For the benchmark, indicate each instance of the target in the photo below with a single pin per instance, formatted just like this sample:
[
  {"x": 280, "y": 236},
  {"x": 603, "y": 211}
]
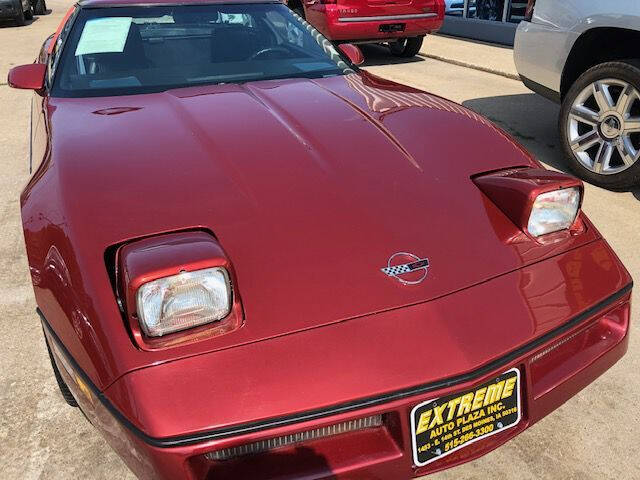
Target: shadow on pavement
[
  {"x": 530, "y": 119},
  {"x": 377, "y": 55},
  {"x": 9, "y": 22},
  {"x": 533, "y": 121}
]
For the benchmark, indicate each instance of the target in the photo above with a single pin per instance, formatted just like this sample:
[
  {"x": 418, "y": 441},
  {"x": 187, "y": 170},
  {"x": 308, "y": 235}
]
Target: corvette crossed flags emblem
[{"x": 399, "y": 270}]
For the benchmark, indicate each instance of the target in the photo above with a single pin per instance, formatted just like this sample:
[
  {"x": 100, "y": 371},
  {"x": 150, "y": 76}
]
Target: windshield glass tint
[{"x": 128, "y": 50}]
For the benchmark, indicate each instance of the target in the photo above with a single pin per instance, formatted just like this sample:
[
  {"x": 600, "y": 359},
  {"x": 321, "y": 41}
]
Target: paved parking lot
[{"x": 595, "y": 435}]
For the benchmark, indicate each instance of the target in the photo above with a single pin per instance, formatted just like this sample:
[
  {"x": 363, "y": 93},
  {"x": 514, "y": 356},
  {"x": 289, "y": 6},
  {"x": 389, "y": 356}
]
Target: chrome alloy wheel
[{"x": 604, "y": 126}]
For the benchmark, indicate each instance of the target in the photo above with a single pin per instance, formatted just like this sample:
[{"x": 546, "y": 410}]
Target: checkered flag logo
[{"x": 397, "y": 270}]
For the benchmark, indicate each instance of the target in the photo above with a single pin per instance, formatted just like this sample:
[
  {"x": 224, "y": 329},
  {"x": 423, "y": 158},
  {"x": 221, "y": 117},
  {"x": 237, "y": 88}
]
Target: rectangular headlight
[
  {"x": 183, "y": 301},
  {"x": 554, "y": 211}
]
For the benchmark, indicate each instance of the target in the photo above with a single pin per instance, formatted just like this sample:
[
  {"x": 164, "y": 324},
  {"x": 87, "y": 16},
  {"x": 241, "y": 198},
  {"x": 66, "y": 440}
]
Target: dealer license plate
[{"x": 440, "y": 427}]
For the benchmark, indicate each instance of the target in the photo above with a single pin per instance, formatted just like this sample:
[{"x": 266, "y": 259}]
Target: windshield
[{"x": 129, "y": 50}]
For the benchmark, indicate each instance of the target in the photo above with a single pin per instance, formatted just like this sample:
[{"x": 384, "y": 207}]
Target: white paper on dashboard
[{"x": 104, "y": 35}]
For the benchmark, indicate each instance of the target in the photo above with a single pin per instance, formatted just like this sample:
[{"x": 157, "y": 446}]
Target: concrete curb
[{"x": 470, "y": 65}]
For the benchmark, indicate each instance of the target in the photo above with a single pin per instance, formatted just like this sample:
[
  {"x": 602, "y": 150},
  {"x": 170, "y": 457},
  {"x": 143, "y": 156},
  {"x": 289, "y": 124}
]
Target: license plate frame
[
  {"x": 433, "y": 437},
  {"x": 392, "y": 27}
]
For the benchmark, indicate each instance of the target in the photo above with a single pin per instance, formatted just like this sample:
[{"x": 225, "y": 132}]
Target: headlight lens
[
  {"x": 182, "y": 301},
  {"x": 554, "y": 211}
]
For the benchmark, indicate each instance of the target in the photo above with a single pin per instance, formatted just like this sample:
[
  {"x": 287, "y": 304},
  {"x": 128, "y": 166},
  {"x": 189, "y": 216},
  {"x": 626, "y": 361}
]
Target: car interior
[{"x": 183, "y": 47}]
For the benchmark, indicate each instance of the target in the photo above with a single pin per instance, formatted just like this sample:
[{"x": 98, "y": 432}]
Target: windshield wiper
[{"x": 311, "y": 74}]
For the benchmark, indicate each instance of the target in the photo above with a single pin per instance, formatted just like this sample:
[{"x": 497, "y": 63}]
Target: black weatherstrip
[{"x": 251, "y": 427}]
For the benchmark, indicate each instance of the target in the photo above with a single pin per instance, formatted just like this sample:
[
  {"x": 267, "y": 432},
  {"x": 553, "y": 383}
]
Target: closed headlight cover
[{"x": 183, "y": 301}]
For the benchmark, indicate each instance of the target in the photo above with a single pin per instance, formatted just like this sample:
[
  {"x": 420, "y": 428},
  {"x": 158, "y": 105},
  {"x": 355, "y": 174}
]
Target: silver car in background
[
  {"x": 453, "y": 7},
  {"x": 585, "y": 54}
]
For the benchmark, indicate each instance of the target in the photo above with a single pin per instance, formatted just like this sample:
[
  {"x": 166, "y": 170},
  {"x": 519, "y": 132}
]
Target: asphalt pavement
[{"x": 593, "y": 436}]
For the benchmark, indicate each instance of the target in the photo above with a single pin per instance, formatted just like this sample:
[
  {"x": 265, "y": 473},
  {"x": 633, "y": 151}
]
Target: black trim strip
[
  {"x": 546, "y": 92},
  {"x": 336, "y": 409}
]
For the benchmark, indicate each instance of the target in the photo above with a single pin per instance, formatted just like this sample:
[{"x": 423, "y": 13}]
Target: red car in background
[
  {"x": 249, "y": 263},
  {"x": 401, "y": 24}
]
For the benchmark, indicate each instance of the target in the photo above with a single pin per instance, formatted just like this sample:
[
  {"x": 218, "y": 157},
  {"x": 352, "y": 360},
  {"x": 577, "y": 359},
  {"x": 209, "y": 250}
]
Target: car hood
[{"x": 310, "y": 186}]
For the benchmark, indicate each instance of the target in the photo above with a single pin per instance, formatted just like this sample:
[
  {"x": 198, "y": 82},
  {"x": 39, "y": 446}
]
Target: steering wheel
[{"x": 267, "y": 50}]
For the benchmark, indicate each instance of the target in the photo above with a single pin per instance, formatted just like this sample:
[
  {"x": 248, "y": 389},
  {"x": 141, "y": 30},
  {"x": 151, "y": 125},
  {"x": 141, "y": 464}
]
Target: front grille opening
[{"x": 295, "y": 438}]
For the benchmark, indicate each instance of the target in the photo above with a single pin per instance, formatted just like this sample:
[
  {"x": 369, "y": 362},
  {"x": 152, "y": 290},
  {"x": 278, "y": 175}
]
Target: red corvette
[{"x": 253, "y": 260}]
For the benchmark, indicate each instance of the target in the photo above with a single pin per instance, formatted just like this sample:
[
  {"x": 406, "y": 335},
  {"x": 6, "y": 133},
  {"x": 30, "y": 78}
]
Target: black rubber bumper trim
[
  {"x": 546, "y": 92},
  {"x": 177, "y": 441}
]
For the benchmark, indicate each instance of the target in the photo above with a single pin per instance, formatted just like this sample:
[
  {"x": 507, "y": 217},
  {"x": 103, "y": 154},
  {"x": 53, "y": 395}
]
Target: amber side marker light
[{"x": 295, "y": 438}]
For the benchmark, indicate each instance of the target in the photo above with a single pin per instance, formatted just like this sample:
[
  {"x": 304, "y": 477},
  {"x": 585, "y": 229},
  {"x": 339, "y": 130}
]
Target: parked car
[
  {"x": 583, "y": 54},
  {"x": 249, "y": 264},
  {"x": 400, "y": 25},
  {"x": 454, "y": 7},
  {"x": 18, "y": 10},
  {"x": 22, "y": 10}
]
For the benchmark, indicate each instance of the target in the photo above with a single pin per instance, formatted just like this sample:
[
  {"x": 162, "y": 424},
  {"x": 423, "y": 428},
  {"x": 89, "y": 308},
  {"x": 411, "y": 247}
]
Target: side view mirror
[
  {"x": 27, "y": 77},
  {"x": 352, "y": 52}
]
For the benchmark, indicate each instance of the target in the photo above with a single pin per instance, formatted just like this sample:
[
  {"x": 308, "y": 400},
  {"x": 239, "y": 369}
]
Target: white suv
[{"x": 586, "y": 55}]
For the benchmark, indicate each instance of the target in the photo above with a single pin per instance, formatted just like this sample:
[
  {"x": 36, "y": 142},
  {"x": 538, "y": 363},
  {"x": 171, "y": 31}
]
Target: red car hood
[{"x": 309, "y": 185}]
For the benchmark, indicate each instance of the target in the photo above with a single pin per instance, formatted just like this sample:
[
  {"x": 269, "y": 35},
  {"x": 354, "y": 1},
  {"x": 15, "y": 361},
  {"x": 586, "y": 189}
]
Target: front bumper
[{"x": 156, "y": 418}]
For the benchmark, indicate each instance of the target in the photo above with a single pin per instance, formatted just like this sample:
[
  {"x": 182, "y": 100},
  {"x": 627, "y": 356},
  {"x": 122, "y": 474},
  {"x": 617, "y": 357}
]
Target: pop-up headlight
[
  {"x": 182, "y": 301},
  {"x": 177, "y": 288},
  {"x": 554, "y": 211},
  {"x": 538, "y": 201}
]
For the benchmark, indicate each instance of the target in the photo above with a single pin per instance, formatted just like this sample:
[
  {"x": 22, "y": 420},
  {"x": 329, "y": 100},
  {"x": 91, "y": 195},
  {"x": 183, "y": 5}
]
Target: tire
[
  {"x": 40, "y": 7},
  {"x": 21, "y": 18},
  {"x": 406, "y": 47},
  {"x": 601, "y": 138},
  {"x": 64, "y": 390},
  {"x": 28, "y": 15}
]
